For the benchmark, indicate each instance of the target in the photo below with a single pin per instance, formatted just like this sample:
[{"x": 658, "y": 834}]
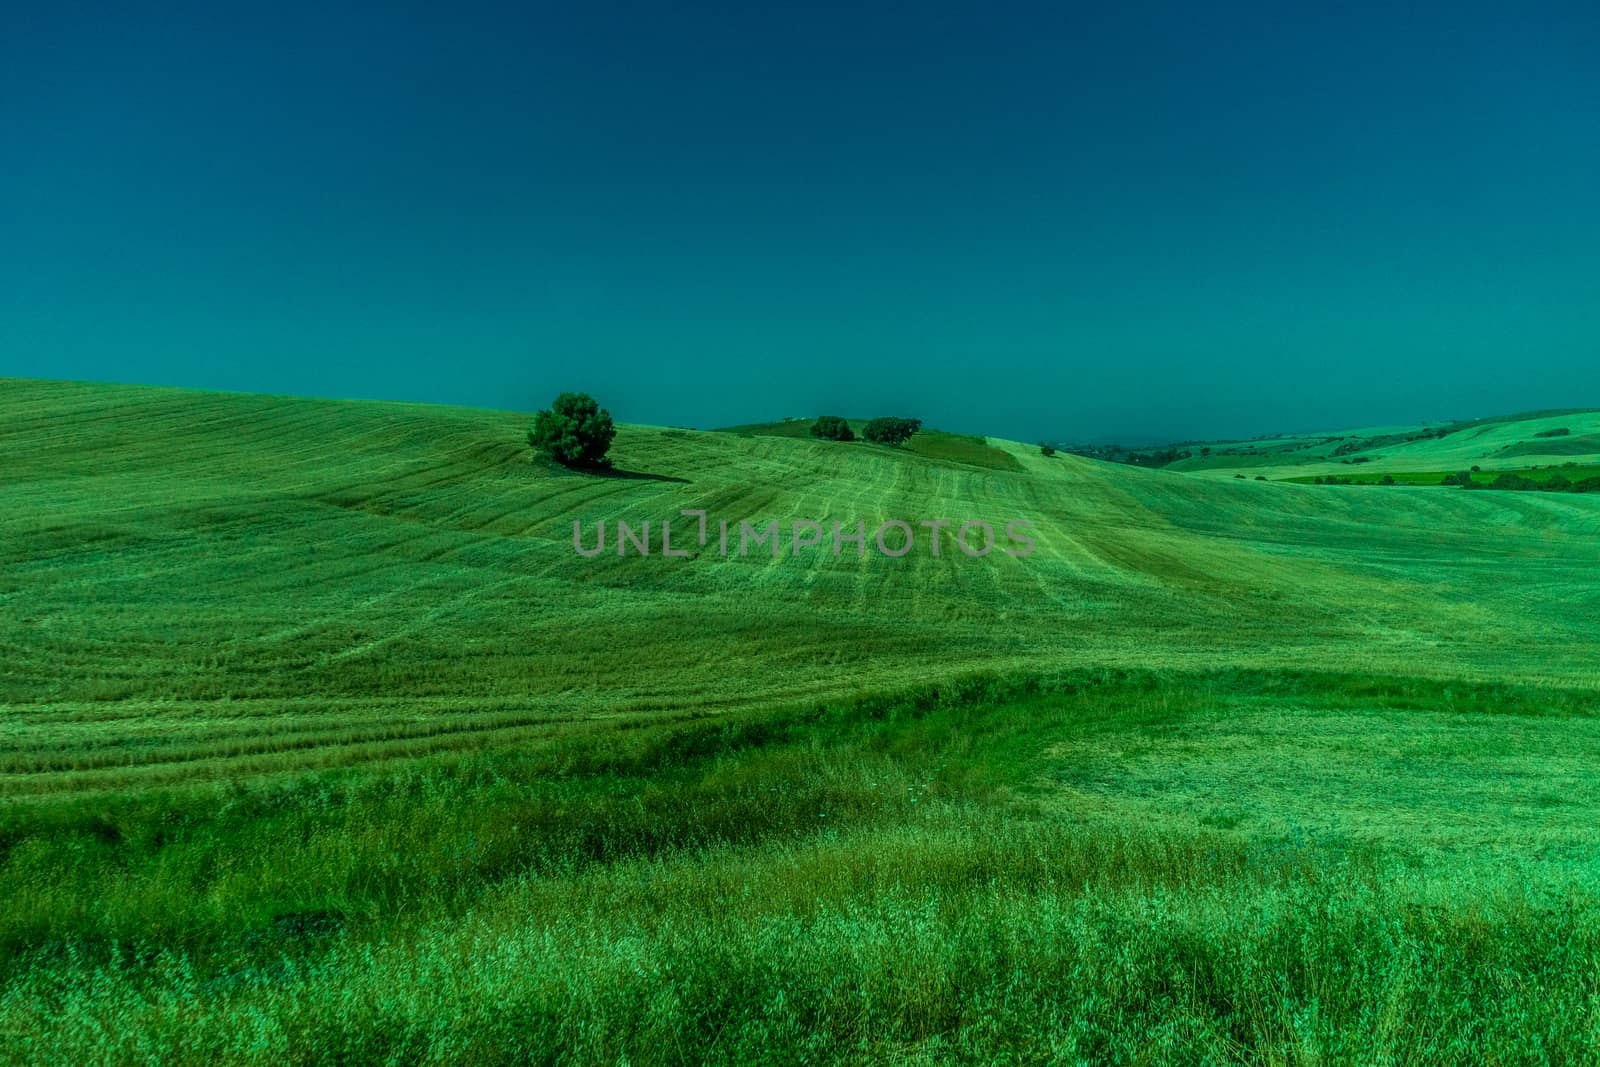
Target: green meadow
[
  {"x": 319, "y": 742},
  {"x": 1420, "y": 454}
]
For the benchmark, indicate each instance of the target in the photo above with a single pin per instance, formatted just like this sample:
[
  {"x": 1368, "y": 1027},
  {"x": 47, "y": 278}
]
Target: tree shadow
[
  {"x": 607, "y": 471},
  {"x": 617, "y": 472}
]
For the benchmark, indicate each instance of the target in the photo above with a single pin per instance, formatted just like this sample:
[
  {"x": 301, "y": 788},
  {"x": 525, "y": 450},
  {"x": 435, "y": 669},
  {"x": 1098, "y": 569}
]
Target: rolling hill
[
  {"x": 248, "y": 584},
  {"x": 1511, "y": 442},
  {"x": 320, "y": 742}
]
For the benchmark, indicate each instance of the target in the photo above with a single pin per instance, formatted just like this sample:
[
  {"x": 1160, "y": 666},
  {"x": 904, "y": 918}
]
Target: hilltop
[
  {"x": 970, "y": 449},
  {"x": 374, "y": 580}
]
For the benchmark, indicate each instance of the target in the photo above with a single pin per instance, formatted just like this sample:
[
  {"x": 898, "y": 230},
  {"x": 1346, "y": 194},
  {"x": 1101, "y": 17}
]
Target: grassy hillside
[
  {"x": 1096, "y": 868},
  {"x": 969, "y": 449},
  {"x": 1513, "y": 442},
  {"x": 319, "y": 741},
  {"x": 252, "y": 583}
]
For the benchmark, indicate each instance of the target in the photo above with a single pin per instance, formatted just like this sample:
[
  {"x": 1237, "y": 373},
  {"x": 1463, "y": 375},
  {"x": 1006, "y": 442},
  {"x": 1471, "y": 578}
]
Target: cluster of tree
[
  {"x": 890, "y": 430},
  {"x": 832, "y": 428},
  {"x": 574, "y": 431},
  {"x": 1508, "y": 481},
  {"x": 1517, "y": 483},
  {"x": 1334, "y": 479},
  {"x": 1159, "y": 457},
  {"x": 1560, "y": 431},
  {"x": 885, "y": 430},
  {"x": 1136, "y": 457}
]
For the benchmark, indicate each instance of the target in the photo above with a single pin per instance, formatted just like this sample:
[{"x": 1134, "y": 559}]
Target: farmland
[
  {"x": 1532, "y": 440},
  {"x": 1539, "y": 475},
  {"x": 318, "y": 739}
]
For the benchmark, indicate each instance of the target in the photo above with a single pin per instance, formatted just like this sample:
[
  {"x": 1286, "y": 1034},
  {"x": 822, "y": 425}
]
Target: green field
[
  {"x": 319, "y": 742},
  {"x": 969, "y": 449},
  {"x": 1582, "y": 445},
  {"x": 1360, "y": 475},
  {"x": 1508, "y": 443}
]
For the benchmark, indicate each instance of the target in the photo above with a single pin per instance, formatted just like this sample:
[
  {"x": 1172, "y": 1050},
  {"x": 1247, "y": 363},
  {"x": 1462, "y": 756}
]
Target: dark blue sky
[{"x": 1131, "y": 220}]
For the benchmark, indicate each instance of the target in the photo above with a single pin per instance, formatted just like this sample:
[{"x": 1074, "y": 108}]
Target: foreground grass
[{"x": 985, "y": 872}]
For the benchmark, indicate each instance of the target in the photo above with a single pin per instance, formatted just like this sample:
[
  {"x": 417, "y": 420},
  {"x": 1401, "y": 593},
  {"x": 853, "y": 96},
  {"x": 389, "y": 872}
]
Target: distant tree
[
  {"x": 1239, "y": 476},
  {"x": 1388, "y": 479},
  {"x": 1261, "y": 477},
  {"x": 1205, "y": 451},
  {"x": 1515, "y": 483},
  {"x": 832, "y": 428},
  {"x": 1046, "y": 450},
  {"x": 574, "y": 431},
  {"x": 1476, "y": 468},
  {"x": 889, "y": 430},
  {"x": 1560, "y": 431},
  {"x": 1155, "y": 457}
]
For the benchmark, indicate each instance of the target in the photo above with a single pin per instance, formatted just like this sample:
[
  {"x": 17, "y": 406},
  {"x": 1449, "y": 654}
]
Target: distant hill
[{"x": 1504, "y": 443}]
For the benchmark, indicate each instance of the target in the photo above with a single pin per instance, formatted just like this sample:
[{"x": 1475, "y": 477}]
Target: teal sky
[{"x": 1141, "y": 221}]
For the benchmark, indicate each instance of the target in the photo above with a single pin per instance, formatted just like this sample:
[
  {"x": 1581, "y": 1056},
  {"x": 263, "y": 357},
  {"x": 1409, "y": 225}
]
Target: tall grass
[{"x": 891, "y": 880}]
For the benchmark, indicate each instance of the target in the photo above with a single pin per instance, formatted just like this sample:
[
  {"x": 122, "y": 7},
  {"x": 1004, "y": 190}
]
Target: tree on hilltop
[
  {"x": 575, "y": 431},
  {"x": 832, "y": 428},
  {"x": 889, "y": 430}
]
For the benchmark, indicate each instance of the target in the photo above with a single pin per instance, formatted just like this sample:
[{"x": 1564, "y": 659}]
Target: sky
[{"x": 1130, "y": 221}]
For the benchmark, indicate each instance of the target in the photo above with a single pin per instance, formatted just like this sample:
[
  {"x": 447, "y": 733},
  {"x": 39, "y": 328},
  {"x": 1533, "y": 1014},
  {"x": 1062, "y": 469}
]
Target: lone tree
[
  {"x": 1046, "y": 450},
  {"x": 832, "y": 428},
  {"x": 574, "y": 431},
  {"x": 890, "y": 430}
]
